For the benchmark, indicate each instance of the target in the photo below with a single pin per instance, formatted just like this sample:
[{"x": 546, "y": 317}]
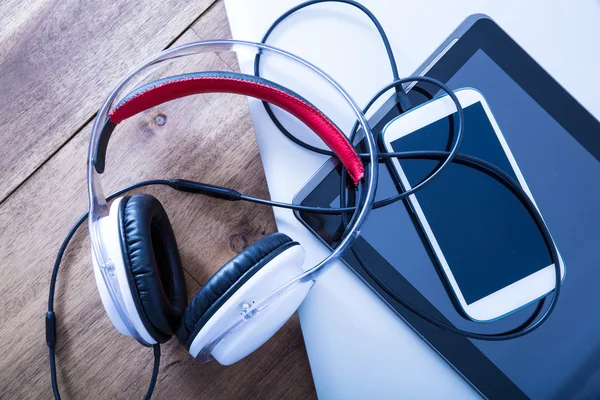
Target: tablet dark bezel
[{"x": 486, "y": 35}]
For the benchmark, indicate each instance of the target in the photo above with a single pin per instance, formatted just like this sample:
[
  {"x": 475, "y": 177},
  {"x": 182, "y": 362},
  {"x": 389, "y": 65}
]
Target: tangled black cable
[{"x": 446, "y": 158}]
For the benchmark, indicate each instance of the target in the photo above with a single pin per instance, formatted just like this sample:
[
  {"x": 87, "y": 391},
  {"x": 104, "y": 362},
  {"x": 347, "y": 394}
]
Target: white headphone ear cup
[
  {"x": 109, "y": 230},
  {"x": 105, "y": 224},
  {"x": 254, "y": 332}
]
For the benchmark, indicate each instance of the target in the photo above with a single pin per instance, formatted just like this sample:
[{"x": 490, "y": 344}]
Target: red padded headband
[{"x": 163, "y": 90}]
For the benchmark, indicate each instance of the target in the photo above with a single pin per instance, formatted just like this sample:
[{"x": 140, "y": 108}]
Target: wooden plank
[
  {"x": 218, "y": 27},
  {"x": 207, "y": 138},
  {"x": 59, "y": 58}
]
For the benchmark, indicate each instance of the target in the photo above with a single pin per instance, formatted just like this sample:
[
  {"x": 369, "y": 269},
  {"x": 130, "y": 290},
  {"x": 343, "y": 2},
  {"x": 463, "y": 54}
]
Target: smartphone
[{"x": 488, "y": 247}]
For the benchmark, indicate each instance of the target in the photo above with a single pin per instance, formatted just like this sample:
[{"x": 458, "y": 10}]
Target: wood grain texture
[
  {"x": 207, "y": 138},
  {"x": 58, "y": 59},
  {"x": 218, "y": 27}
]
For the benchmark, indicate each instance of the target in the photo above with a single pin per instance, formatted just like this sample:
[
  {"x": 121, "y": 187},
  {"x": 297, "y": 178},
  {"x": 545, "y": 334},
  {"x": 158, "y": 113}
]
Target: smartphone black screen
[{"x": 486, "y": 235}]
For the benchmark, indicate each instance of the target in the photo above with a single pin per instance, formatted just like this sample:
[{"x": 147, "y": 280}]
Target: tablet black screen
[{"x": 556, "y": 144}]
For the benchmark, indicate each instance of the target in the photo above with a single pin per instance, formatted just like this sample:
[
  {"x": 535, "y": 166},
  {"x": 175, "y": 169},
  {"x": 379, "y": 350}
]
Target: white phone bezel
[{"x": 510, "y": 298}]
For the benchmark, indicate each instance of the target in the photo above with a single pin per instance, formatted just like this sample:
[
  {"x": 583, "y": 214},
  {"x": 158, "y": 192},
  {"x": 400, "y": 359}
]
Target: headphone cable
[{"x": 445, "y": 158}]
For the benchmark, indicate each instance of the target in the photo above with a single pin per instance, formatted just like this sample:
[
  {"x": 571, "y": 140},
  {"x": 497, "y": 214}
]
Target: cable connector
[
  {"x": 51, "y": 329},
  {"x": 218, "y": 192}
]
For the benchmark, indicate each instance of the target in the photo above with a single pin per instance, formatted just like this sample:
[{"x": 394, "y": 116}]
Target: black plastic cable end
[
  {"x": 403, "y": 99},
  {"x": 51, "y": 329},
  {"x": 218, "y": 192}
]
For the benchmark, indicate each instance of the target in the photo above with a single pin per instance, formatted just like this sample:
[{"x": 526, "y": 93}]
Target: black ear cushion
[
  {"x": 152, "y": 264},
  {"x": 227, "y": 281}
]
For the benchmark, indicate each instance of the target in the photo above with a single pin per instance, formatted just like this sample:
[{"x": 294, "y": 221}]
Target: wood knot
[
  {"x": 160, "y": 119},
  {"x": 238, "y": 242}
]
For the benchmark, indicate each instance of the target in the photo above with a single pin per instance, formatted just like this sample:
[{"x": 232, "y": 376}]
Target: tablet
[{"x": 556, "y": 143}]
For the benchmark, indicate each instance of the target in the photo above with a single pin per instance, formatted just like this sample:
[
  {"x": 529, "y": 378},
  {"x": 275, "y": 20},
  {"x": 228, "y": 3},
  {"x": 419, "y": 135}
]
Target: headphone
[
  {"x": 135, "y": 257},
  {"x": 150, "y": 302}
]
